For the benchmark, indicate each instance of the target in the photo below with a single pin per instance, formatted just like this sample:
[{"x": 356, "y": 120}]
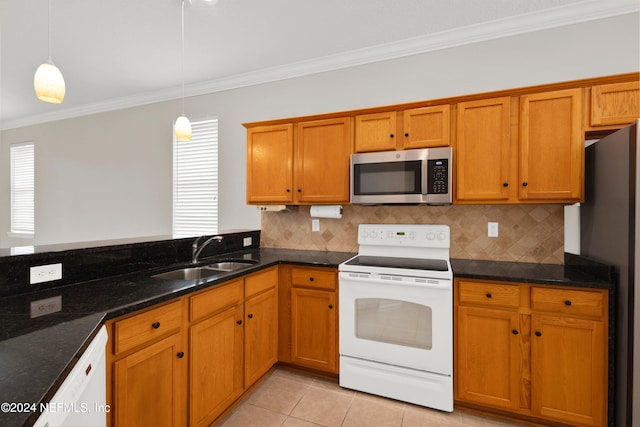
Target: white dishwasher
[{"x": 81, "y": 399}]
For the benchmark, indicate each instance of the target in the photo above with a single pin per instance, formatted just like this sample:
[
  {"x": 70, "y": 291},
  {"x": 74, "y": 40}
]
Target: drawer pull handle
[
  {"x": 567, "y": 302},
  {"x": 489, "y": 295},
  {"x": 514, "y": 332},
  {"x": 538, "y": 333},
  {"x": 180, "y": 355},
  {"x": 250, "y": 316},
  {"x": 331, "y": 306},
  {"x": 311, "y": 279},
  {"x": 239, "y": 322},
  {"x": 155, "y": 325}
]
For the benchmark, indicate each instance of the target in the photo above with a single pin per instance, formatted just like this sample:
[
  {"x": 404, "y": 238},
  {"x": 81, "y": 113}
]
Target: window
[
  {"x": 195, "y": 181},
  {"x": 22, "y": 189}
]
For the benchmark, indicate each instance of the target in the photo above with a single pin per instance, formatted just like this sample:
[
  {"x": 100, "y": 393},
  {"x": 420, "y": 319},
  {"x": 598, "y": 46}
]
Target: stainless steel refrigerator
[{"x": 608, "y": 234}]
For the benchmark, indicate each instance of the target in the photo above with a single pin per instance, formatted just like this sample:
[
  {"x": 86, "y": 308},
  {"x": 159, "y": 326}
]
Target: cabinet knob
[
  {"x": 180, "y": 354},
  {"x": 514, "y": 332},
  {"x": 311, "y": 279},
  {"x": 299, "y": 190},
  {"x": 391, "y": 136},
  {"x": 155, "y": 325},
  {"x": 567, "y": 302},
  {"x": 250, "y": 316},
  {"x": 538, "y": 333},
  {"x": 505, "y": 184},
  {"x": 525, "y": 183},
  {"x": 239, "y": 322},
  {"x": 489, "y": 295},
  {"x": 288, "y": 190},
  {"x": 331, "y": 306},
  {"x": 406, "y": 134}
]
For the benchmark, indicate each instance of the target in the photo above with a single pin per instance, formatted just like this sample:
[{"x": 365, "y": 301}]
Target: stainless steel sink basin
[{"x": 209, "y": 270}]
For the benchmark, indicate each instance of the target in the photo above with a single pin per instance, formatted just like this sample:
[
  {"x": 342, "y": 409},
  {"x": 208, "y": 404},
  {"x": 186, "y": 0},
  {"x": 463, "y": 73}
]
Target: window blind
[
  {"x": 22, "y": 188},
  {"x": 195, "y": 196}
]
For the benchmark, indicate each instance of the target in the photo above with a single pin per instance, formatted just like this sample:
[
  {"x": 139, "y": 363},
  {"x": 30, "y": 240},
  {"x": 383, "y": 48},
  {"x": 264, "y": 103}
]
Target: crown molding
[{"x": 502, "y": 28}]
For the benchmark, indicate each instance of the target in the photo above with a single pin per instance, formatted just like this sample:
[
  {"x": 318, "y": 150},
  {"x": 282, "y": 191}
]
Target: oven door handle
[{"x": 425, "y": 282}]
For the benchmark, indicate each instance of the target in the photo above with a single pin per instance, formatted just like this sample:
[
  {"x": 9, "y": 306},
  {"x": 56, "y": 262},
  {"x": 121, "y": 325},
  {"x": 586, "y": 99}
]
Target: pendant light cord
[
  {"x": 49, "y": 30},
  {"x": 182, "y": 58}
]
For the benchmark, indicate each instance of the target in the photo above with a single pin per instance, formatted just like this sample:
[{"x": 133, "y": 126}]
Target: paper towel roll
[{"x": 326, "y": 211}]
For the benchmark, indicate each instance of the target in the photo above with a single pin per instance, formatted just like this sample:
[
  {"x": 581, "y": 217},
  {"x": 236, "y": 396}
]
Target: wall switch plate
[
  {"x": 247, "y": 241},
  {"x": 46, "y": 306},
  {"x": 492, "y": 229},
  {"x": 45, "y": 273},
  {"x": 315, "y": 225}
]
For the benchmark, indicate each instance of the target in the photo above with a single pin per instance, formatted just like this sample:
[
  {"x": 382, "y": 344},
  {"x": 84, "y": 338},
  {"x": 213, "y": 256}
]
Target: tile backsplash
[{"x": 527, "y": 233}]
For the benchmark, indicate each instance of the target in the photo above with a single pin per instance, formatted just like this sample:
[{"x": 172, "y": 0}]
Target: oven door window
[
  {"x": 403, "y": 177},
  {"x": 394, "y": 322}
]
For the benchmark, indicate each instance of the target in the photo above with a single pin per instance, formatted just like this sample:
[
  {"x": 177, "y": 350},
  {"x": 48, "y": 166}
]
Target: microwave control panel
[{"x": 438, "y": 176}]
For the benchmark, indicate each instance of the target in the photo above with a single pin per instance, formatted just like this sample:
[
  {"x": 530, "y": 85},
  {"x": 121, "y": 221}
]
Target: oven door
[{"x": 397, "y": 320}]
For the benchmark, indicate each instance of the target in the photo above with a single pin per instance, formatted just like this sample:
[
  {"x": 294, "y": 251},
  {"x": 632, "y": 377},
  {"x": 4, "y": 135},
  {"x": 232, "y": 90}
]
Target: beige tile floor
[{"x": 291, "y": 399}]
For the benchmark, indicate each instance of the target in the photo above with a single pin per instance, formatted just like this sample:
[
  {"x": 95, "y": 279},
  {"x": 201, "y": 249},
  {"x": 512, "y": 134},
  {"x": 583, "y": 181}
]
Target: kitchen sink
[{"x": 202, "y": 272}]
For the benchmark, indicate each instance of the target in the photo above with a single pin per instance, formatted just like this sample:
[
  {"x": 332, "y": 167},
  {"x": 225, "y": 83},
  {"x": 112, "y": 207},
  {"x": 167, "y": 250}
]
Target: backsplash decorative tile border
[{"x": 527, "y": 233}]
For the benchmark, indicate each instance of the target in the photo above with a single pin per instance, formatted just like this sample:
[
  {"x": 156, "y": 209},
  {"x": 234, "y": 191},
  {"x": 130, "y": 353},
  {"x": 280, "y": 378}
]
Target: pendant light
[
  {"x": 48, "y": 81},
  {"x": 182, "y": 125}
]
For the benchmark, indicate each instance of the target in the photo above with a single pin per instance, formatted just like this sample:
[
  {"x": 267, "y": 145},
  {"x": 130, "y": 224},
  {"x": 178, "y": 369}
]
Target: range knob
[
  {"x": 373, "y": 235},
  {"x": 442, "y": 235},
  {"x": 364, "y": 234},
  {"x": 430, "y": 236}
]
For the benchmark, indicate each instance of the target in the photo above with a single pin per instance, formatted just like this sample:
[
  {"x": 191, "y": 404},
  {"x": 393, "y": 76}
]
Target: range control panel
[{"x": 415, "y": 235}]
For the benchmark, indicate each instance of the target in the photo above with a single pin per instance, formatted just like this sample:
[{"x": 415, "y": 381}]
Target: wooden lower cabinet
[
  {"x": 532, "y": 351},
  {"x": 261, "y": 334},
  {"x": 215, "y": 375},
  {"x": 150, "y": 386}
]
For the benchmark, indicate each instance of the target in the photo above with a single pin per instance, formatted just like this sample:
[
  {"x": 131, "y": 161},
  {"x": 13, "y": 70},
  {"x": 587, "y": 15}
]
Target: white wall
[{"x": 109, "y": 175}]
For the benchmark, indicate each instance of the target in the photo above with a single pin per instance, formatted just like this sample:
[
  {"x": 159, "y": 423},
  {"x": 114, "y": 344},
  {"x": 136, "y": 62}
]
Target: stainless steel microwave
[{"x": 421, "y": 176}]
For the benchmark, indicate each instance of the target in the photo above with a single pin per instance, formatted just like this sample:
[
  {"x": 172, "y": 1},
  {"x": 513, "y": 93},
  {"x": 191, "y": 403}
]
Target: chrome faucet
[{"x": 197, "y": 247}]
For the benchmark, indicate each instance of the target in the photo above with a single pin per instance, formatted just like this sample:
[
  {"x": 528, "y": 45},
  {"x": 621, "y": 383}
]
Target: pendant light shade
[
  {"x": 183, "y": 129},
  {"x": 49, "y": 83}
]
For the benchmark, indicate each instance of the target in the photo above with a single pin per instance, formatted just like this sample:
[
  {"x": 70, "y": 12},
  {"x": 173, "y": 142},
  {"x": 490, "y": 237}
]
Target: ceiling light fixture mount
[
  {"x": 182, "y": 125},
  {"x": 48, "y": 81}
]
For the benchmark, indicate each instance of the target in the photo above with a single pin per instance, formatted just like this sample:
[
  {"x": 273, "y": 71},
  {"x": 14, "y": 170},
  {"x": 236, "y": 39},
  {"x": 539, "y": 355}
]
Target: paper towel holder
[{"x": 326, "y": 211}]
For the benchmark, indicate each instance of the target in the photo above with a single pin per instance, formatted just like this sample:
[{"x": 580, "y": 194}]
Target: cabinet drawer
[
  {"x": 581, "y": 303},
  {"x": 490, "y": 294},
  {"x": 259, "y": 282},
  {"x": 313, "y": 278},
  {"x": 147, "y": 326},
  {"x": 214, "y": 300}
]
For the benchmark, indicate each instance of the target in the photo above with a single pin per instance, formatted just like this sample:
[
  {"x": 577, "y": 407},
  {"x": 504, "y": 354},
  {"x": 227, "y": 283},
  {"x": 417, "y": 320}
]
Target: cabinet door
[
  {"x": 488, "y": 359},
  {"x": 313, "y": 329},
  {"x": 270, "y": 164},
  {"x": 323, "y": 150},
  {"x": 216, "y": 365},
  {"x": 615, "y": 104},
  {"x": 150, "y": 386},
  {"x": 551, "y": 146},
  {"x": 484, "y": 150},
  {"x": 261, "y": 335},
  {"x": 375, "y": 132},
  {"x": 569, "y": 373},
  {"x": 426, "y": 127}
]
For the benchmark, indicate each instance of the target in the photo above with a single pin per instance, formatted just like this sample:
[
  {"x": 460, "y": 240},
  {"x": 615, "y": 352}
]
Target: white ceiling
[{"x": 117, "y": 53}]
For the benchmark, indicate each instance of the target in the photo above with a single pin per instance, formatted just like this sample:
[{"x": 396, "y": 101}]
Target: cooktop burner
[{"x": 391, "y": 262}]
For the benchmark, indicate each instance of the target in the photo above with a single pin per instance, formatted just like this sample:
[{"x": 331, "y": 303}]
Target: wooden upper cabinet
[
  {"x": 483, "y": 150},
  {"x": 615, "y": 104},
  {"x": 323, "y": 150},
  {"x": 376, "y": 132},
  {"x": 270, "y": 164},
  {"x": 426, "y": 127},
  {"x": 417, "y": 128},
  {"x": 551, "y": 146}
]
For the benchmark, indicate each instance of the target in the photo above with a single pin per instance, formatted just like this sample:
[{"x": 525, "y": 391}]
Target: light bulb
[
  {"x": 183, "y": 129},
  {"x": 49, "y": 83}
]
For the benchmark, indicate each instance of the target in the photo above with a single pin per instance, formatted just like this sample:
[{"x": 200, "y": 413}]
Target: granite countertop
[{"x": 37, "y": 354}]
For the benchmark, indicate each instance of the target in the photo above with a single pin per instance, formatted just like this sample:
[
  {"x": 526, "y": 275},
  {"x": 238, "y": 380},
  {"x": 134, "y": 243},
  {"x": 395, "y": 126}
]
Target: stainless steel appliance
[
  {"x": 421, "y": 176},
  {"x": 396, "y": 315},
  {"x": 609, "y": 233}
]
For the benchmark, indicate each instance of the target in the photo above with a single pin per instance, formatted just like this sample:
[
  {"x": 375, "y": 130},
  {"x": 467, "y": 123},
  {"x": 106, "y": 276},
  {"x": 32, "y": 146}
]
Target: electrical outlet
[
  {"x": 247, "y": 241},
  {"x": 492, "y": 229},
  {"x": 46, "y": 306},
  {"x": 315, "y": 225},
  {"x": 45, "y": 273}
]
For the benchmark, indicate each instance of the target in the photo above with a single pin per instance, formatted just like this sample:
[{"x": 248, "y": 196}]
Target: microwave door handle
[{"x": 425, "y": 178}]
